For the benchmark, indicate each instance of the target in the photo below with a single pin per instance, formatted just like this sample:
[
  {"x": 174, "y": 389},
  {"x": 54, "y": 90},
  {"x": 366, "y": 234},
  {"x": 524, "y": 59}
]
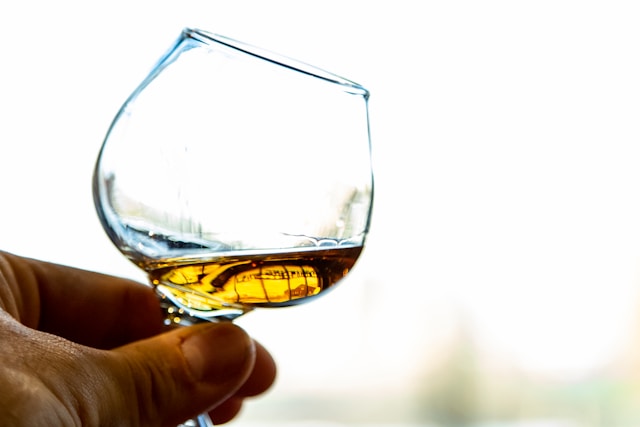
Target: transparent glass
[
  {"x": 227, "y": 154},
  {"x": 237, "y": 178}
]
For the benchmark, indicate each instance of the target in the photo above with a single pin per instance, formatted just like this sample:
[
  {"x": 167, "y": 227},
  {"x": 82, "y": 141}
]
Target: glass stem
[{"x": 202, "y": 420}]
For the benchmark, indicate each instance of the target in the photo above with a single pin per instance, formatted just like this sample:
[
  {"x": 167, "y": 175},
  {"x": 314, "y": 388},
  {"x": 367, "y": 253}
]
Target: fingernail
[{"x": 218, "y": 352}]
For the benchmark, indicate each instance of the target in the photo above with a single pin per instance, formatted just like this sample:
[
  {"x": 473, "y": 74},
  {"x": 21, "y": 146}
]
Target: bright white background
[{"x": 506, "y": 235}]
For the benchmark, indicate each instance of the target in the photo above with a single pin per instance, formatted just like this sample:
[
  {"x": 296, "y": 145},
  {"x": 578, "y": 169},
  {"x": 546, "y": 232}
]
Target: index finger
[{"x": 89, "y": 308}]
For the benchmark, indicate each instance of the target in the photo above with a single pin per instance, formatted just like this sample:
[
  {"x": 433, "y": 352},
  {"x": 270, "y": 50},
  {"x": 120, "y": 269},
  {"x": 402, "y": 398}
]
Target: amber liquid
[{"x": 257, "y": 280}]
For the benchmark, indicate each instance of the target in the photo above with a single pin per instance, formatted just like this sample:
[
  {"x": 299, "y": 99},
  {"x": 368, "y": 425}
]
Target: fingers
[
  {"x": 226, "y": 411},
  {"x": 187, "y": 371},
  {"x": 261, "y": 378},
  {"x": 89, "y": 308},
  {"x": 160, "y": 380}
]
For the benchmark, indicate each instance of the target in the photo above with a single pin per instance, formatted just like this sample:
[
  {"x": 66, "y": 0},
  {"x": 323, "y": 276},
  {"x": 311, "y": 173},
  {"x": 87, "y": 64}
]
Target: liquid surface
[{"x": 258, "y": 280}]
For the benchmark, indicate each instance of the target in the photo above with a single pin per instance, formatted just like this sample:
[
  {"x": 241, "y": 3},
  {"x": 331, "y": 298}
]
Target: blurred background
[{"x": 500, "y": 284}]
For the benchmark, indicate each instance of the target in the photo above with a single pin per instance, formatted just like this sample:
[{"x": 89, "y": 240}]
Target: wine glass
[{"x": 236, "y": 178}]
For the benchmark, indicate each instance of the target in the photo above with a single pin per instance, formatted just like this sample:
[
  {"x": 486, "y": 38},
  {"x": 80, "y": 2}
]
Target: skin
[{"x": 76, "y": 351}]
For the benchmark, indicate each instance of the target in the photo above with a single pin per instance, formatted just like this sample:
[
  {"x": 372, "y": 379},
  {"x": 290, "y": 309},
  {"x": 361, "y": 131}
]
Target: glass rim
[{"x": 207, "y": 38}]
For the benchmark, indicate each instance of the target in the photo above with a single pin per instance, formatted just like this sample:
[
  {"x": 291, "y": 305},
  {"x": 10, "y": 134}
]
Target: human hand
[{"x": 85, "y": 349}]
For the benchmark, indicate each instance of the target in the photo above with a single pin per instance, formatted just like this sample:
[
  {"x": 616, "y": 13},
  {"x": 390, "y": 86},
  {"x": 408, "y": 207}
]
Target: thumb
[{"x": 179, "y": 374}]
